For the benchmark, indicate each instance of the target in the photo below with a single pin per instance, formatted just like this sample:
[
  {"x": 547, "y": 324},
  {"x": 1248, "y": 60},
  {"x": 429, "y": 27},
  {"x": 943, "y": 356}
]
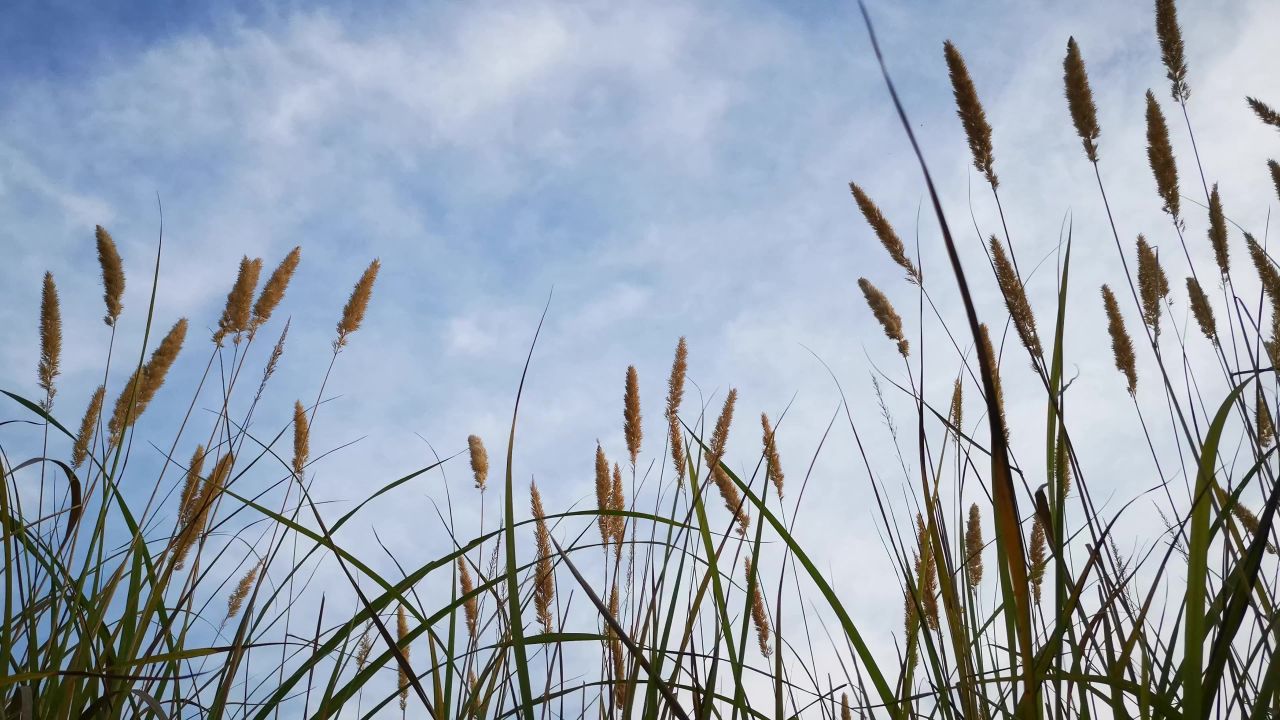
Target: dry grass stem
[
  {"x": 353, "y": 312},
  {"x": 1084, "y": 114},
  {"x": 976, "y": 128},
  {"x": 884, "y": 231},
  {"x": 774, "y": 469},
  {"x": 402, "y": 631},
  {"x": 885, "y": 315},
  {"x": 631, "y": 423},
  {"x": 112, "y": 275}
]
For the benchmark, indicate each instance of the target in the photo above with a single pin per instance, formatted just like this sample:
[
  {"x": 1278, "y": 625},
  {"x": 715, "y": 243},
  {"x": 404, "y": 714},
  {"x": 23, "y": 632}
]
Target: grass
[{"x": 691, "y": 598}]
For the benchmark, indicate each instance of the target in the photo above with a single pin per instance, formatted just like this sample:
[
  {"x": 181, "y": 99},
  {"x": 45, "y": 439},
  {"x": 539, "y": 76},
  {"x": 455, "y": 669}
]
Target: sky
[{"x": 645, "y": 171}]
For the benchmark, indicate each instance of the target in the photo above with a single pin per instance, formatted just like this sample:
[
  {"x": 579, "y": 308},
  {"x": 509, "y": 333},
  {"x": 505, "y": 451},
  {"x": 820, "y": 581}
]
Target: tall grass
[{"x": 128, "y": 594}]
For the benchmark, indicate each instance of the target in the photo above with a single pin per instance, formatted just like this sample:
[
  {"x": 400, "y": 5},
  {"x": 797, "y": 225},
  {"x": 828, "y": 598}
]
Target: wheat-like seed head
[
  {"x": 884, "y": 231},
  {"x": 50, "y": 340},
  {"x": 88, "y": 425},
  {"x": 1084, "y": 114},
  {"x": 479, "y": 460},
  {"x": 1264, "y": 112},
  {"x": 1063, "y": 457},
  {"x": 956, "y": 414},
  {"x": 976, "y": 128},
  {"x": 274, "y": 359},
  {"x": 1015, "y": 299},
  {"x": 885, "y": 315},
  {"x": 1121, "y": 345},
  {"x": 357, "y": 304},
  {"x": 774, "y": 469},
  {"x": 1218, "y": 232},
  {"x": 675, "y": 393},
  {"x": 1267, "y": 273},
  {"x": 237, "y": 313},
  {"x": 362, "y": 650},
  {"x": 146, "y": 381},
  {"x": 201, "y": 506},
  {"x": 1153, "y": 286},
  {"x": 301, "y": 439},
  {"x": 615, "y": 653},
  {"x": 1171, "y": 48},
  {"x": 187, "y": 509},
  {"x": 1274, "y": 167},
  {"x": 911, "y": 626},
  {"x": 845, "y": 713},
  {"x": 1262, "y": 419},
  {"x": 236, "y": 600},
  {"x": 1160, "y": 155},
  {"x": 973, "y": 545},
  {"x": 1039, "y": 544},
  {"x": 632, "y": 428},
  {"x": 273, "y": 291},
  {"x": 719, "y": 439},
  {"x": 402, "y": 630},
  {"x": 617, "y": 503},
  {"x": 470, "y": 606},
  {"x": 604, "y": 496},
  {"x": 112, "y": 275},
  {"x": 926, "y": 573},
  {"x": 1202, "y": 310},
  {"x": 544, "y": 586},
  {"x": 758, "y": 615},
  {"x": 985, "y": 347}
]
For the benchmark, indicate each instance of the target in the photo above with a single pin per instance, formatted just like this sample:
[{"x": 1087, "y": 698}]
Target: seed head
[
  {"x": 1171, "y": 48},
  {"x": 236, "y": 600},
  {"x": 544, "y": 587},
  {"x": 774, "y": 469},
  {"x": 1063, "y": 457},
  {"x": 402, "y": 630},
  {"x": 1160, "y": 155},
  {"x": 273, "y": 291},
  {"x": 1153, "y": 286},
  {"x": 1015, "y": 299},
  {"x": 956, "y": 415},
  {"x": 884, "y": 231},
  {"x": 1121, "y": 346},
  {"x": 972, "y": 116},
  {"x": 758, "y": 615},
  {"x": 1038, "y": 557},
  {"x": 237, "y": 314},
  {"x": 604, "y": 496},
  {"x": 362, "y": 650},
  {"x": 353, "y": 311},
  {"x": 1202, "y": 310},
  {"x": 926, "y": 573},
  {"x": 615, "y": 654},
  {"x": 1267, "y": 272},
  {"x": 1218, "y": 232},
  {"x": 1084, "y": 114},
  {"x": 470, "y": 606},
  {"x": 191, "y": 489},
  {"x": 617, "y": 503},
  {"x": 1264, "y": 112},
  {"x": 479, "y": 460},
  {"x": 675, "y": 393},
  {"x": 1274, "y": 167},
  {"x": 50, "y": 339},
  {"x": 719, "y": 439},
  {"x": 201, "y": 506},
  {"x": 146, "y": 381},
  {"x": 112, "y": 275},
  {"x": 80, "y": 451},
  {"x": 973, "y": 545},
  {"x": 885, "y": 314},
  {"x": 631, "y": 425},
  {"x": 985, "y": 346},
  {"x": 1266, "y": 428},
  {"x": 301, "y": 439}
]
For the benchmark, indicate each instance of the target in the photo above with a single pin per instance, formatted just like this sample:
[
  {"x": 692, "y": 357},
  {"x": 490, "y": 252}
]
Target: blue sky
[{"x": 669, "y": 169}]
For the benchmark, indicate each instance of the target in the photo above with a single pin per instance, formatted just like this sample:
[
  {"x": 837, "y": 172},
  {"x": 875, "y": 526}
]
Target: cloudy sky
[{"x": 658, "y": 168}]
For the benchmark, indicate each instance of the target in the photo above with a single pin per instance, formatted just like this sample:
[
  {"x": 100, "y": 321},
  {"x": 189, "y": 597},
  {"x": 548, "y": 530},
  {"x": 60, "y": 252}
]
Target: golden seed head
[
  {"x": 1015, "y": 299},
  {"x": 353, "y": 311},
  {"x": 972, "y": 116},
  {"x": 1267, "y": 272},
  {"x": 728, "y": 489},
  {"x": 845, "y": 713},
  {"x": 470, "y": 606},
  {"x": 479, "y": 460},
  {"x": 1084, "y": 114},
  {"x": 884, "y": 231},
  {"x": 758, "y": 615},
  {"x": 956, "y": 415},
  {"x": 273, "y": 291},
  {"x": 985, "y": 346},
  {"x": 615, "y": 653},
  {"x": 236, "y": 600},
  {"x": 1202, "y": 310},
  {"x": 1063, "y": 458},
  {"x": 80, "y": 451},
  {"x": 618, "y": 503},
  {"x": 50, "y": 339},
  {"x": 1264, "y": 112},
  {"x": 774, "y": 469},
  {"x": 301, "y": 439},
  {"x": 911, "y": 627},
  {"x": 238, "y": 311},
  {"x": 1121, "y": 346},
  {"x": 604, "y": 496},
  {"x": 885, "y": 314},
  {"x": 544, "y": 586},
  {"x": 926, "y": 573},
  {"x": 112, "y": 275},
  {"x": 1262, "y": 416},
  {"x": 146, "y": 381},
  {"x": 1171, "y": 48},
  {"x": 1153, "y": 286},
  {"x": 362, "y": 650},
  {"x": 973, "y": 545},
  {"x": 631, "y": 425},
  {"x": 276, "y": 352},
  {"x": 201, "y": 506},
  {"x": 1218, "y": 231},
  {"x": 402, "y": 630},
  {"x": 1274, "y": 167},
  {"x": 191, "y": 488},
  {"x": 1160, "y": 155},
  {"x": 1038, "y": 557},
  {"x": 675, "y": 393}
]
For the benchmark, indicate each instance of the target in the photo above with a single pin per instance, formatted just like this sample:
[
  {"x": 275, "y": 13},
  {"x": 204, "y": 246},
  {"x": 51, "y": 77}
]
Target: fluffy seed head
[
  {"x": 631, "y": 425},
  {"x": 1121, "y": 346},
  {"x": 618, "y": 503},
  {"x": 774, "y": 470},
  {"x": 146, "y": 381},
  {"x": 50, "y": 339},
  {"x": 362, "y": 650},
  {"x": 973, "y": 545},
  {"x": 885, "y": 315},
  {"x": 236, "y": 600},
  {"x": 926, "y": 573},
  {"x": 1063, "y": 458},
  {"x": 470, "y": 606},
  {"x": 1084, "y": 114},
  {"x": 353, "y": 311},
  {"x": 237, "y": 313},
  {"x": 112, "y": 275},
  {"x": 972, "y": 116},
  {"x": 402, "y": 630},
  {"x": 201, "y": 507},
  {"x": 884, "y": 231},
  {"x": 479, "y": 460},
  {"x": 1202, "y": 310},
  {"x": 845, "y": 713},
  {"x": 1038, "y": 557},
  {"x": 1262, "y": 417},
  {"x": 1160, "y": 155},
  {"x": 1015, "y": 299},
  {"x": 728, "y": 489},
  {"x": 759, "y": 617},
  {"x": 1218, "y": 232},
  {"x": 675, "y": 393},
  {"x": 273, "y": 291},
  {"x": 1153, "y": 286},
  {"x": 191, "y": 488},
  {"x": 80, "y": 451},
  {"x": 1274, "y": 167},
  {"x": 1267, "y": 273},
  {"x": 1171, "y": 48},
  {"x": 604, "y": 496},
  {"x": 956, "y": 415},
  {"x": 544, "y": 586},
  {"x": 1264, "y": 112},
  {"x": 985, "y": 346},
  {"x": 615, "y": 654},
  {"x": 301, "y": 439}
]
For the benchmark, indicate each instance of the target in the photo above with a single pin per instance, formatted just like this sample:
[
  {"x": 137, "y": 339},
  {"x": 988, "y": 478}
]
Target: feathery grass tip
[
  {"x": 885, "y": 315},
  {"x": 273, "y": 290},
  {"x": 976, "y": 128},
  {"x": 1153, "y": 286},
  {"x": 544, "y": 584},
  {"x": 50, "y": 340},
  {"x": 1218, "y": 232},
  {"x": 112, "y": 275},
  {"x": 1015, "y": 299},
  {"x": 237, "y": 313},
  {"x": 146, "y": 381},
  {"x": 1172, "y": 52},
  {"x": 1202, "y": 310},
  {"x": 1121, "y": 345},
  {"x": 759, "y": 617},
  {"x": 479, "y": 460},
  {"x": 884, "y": 231},
  {"x": 88, "y": 425},
  {"x": 973, "y": 545},
  {"x": 774, "y": 469},
  {"x": 1264, "y": 112},
  {"x": 1160, "y": 155},
  {"x": 675, "y": 393},
  {"x": 631, "y": 425},
  {"x": 357, "y": 304},
  {"x": 1084, "y": 114},
  {"x": 301, "y": 439}
]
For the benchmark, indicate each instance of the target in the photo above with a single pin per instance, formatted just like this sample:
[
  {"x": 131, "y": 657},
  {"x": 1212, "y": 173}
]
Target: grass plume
[
  {"x": 885, "y": 232},
  {"x": 1084, "y": 113},
  {"x": 112, "y": 275}
]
